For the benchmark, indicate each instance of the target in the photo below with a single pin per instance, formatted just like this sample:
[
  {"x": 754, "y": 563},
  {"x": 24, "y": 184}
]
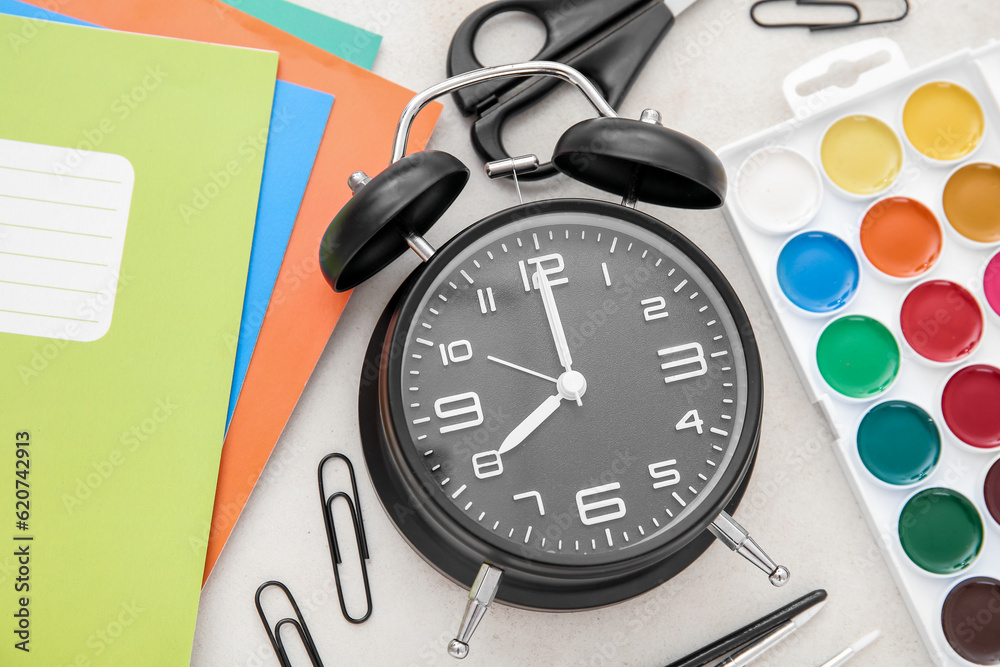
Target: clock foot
[
  {"x": 735, "y": 536},
  {"x": 481, "y": 595}
]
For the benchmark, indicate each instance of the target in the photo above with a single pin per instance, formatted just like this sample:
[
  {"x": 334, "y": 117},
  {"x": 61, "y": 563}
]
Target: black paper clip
[
  {"x": 359, "y": 534},
  {"x": 826, "y": 26},
  {"x": 298, "y": 623}
]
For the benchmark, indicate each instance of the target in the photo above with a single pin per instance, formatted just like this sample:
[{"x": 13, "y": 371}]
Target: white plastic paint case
[{"x": 881, "y": 92}]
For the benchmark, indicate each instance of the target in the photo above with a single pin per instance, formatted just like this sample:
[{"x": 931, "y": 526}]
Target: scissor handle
[
  {"x": 487, "y": 130},
  {"x": 608, "y": 41},
  {"x": 562, "y": 28}
]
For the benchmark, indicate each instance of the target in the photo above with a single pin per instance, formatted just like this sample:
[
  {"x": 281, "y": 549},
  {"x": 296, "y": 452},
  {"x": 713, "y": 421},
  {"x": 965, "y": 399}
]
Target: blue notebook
[{"x": 298, "y": 120}]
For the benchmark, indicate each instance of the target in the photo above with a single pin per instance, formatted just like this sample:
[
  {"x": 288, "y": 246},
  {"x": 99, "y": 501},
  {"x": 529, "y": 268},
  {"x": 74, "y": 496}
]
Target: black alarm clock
[{"x": 569, "y": 394}]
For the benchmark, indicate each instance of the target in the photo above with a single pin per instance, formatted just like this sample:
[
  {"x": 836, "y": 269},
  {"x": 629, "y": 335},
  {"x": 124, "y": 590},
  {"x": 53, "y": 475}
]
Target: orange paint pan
[{"x": 901, "y": 237}]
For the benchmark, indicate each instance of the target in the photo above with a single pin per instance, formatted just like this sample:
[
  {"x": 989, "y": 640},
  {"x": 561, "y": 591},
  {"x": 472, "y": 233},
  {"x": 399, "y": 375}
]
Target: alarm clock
[{"x": 568, "y": 399}]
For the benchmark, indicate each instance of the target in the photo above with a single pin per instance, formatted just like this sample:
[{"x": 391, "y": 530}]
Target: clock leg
[
  {"x": 736, "y": 537},
  {"x": 481, "y": 595}
]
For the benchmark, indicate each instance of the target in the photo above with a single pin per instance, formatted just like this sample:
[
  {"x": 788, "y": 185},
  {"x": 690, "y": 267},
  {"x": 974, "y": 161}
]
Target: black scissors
[{"x": 609, "y": 41}]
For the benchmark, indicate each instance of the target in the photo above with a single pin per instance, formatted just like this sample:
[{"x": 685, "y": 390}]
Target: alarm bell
[{"x": 635, "y": 159}]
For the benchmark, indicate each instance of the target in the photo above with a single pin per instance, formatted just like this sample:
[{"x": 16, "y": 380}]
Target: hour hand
[
  {"x": 530, "y": 423},
  {"x": 571, "y": 385},
  {"x": 489, "y": 464}
]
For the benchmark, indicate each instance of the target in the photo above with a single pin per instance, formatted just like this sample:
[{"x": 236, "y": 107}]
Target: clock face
[{"x": 573, "y": 388}]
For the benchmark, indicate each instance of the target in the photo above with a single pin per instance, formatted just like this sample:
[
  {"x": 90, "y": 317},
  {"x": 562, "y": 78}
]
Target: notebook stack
[{"x": 166, "y": 173}]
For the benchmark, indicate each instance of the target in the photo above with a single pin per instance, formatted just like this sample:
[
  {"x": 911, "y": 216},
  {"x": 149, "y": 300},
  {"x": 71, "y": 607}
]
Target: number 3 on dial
[{"x": 683, "y": 357}]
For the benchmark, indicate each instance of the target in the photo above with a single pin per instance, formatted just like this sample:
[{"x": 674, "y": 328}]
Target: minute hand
[{"x": 555, "y": 324}]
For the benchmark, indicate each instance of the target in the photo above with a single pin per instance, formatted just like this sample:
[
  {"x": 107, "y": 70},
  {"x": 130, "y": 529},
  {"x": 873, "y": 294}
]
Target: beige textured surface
[{"x": 717, "y": 77}]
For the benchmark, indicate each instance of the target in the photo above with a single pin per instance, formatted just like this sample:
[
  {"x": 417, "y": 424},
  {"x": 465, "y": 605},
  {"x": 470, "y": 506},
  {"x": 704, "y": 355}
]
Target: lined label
[{"x": 63, "y": 216}]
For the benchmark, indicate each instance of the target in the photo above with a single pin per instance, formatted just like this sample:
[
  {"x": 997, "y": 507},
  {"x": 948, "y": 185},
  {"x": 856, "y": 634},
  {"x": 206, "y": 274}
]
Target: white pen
[
  {"x": 852, "y": 650},
  {"x": 747, "y": 655}
]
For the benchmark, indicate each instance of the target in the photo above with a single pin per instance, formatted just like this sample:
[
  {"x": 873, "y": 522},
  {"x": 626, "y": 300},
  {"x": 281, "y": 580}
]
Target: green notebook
[
  {"x": 353, "y": 44},
  {"x": 129, "y": 172}
]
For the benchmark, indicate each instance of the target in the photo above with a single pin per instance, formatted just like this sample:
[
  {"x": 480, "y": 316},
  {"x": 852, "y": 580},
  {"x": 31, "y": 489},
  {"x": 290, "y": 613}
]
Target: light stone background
[{"x": 717, "y": 77}]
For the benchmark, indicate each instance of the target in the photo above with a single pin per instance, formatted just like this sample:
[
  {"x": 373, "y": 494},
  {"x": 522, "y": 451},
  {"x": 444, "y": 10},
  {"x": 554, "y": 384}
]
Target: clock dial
[{"x": 573, "y": 388}]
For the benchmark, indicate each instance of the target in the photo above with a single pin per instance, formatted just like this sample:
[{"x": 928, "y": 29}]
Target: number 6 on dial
[{"x": 586, "y": 507}]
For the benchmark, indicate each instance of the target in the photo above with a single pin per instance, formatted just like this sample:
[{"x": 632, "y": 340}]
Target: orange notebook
[{"x": 303, "y": 308}]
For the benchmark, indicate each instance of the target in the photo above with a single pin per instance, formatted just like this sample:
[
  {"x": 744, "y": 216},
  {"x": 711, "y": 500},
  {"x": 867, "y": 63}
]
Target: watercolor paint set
[{"x": 871, "y": 222}]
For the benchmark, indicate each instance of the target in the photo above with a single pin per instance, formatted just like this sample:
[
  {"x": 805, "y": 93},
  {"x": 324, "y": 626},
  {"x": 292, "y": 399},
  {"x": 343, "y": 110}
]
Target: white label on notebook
[{"x": 63, "y": 215}]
